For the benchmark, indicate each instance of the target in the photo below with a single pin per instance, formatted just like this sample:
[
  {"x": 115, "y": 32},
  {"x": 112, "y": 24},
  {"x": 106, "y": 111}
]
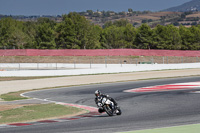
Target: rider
[{"x": 98, "y": 94}]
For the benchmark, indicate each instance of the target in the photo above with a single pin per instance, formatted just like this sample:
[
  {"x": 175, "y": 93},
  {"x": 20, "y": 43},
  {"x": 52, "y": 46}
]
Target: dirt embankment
[{"x": 98, "y": 59}]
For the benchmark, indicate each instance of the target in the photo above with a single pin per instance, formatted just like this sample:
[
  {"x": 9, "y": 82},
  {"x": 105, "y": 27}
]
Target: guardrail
[
  {"x": 98, "y": 69},
  {"x": 97, "y": 62}
]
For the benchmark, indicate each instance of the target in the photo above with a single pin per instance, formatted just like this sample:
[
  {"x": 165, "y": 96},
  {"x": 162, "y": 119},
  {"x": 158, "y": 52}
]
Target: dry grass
[
  {"x": 94, "y": 59},
  {"x": 18, "y": 78},
  {"x": 63, "y": 59},
  {"x": 159, "y": 14},
  {"x": 194, "y": 15},
  {"x": 8, "y": 107}
]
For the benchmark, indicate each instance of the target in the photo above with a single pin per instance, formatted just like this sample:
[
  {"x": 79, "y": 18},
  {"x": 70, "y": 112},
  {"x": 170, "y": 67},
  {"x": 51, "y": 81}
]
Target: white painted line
[{"x": 5, "y": 125}]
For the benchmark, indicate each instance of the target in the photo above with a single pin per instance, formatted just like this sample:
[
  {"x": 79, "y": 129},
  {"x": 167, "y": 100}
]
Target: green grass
[
  {"x": 195, "y": 128},
  {"x": 13, "y": 96},
  {"x": 35, "y": 112}
]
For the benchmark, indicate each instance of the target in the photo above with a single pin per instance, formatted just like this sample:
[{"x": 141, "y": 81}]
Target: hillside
[
  {"x": 193, "y": 5},
  {"x": 101, "y": 17},
  {"x": 136, "y": 18}
]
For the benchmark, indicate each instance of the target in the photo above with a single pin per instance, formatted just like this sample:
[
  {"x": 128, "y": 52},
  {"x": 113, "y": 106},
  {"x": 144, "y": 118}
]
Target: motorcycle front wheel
[
  {"x": 119, "y": 112},
  {"x": 108, "y": 110}
]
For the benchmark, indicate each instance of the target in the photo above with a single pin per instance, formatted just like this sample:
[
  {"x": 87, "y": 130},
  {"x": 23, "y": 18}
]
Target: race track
[{"x": 139, "y": 110}]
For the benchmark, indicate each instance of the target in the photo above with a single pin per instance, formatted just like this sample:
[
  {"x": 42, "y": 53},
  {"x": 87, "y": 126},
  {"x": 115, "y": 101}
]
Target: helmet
[{"x": 97, "y": 93}]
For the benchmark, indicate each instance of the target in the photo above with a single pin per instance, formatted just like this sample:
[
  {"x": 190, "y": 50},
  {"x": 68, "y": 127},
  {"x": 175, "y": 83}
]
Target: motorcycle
[{"x": 108, "y": 106}]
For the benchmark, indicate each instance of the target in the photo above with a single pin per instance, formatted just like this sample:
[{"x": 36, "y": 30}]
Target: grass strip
[
  {"x": 13, "y": 96},
  {"x": 36, "y": 112},
  {"x": 26, "y": 78},
  {"x": 194, "y": 128}
]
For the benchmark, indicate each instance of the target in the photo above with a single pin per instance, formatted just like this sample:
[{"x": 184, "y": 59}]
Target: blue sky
[{"x": 59, "y": 7}]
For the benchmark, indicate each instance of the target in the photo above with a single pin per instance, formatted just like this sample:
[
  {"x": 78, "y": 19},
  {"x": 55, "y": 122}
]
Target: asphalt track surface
[{"x": 139, "y": 110}]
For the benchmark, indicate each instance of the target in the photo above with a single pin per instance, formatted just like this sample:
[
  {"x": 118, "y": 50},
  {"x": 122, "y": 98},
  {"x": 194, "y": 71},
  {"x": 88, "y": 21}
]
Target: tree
[
  {"x": 183, "y": 16},
  {"x": 174, "y": 37},
  {"x": 20, "y": 39},
  {"x": 150, "y": 20},
  {"x": 121, "y": 22},
  {"x": 90, "y": 12},
  {"x": 144, "y": 38},
  {"x": 112, "y": 37},
  {"x": 168, "y": 37},
  {"x": 144, "y": 21},
  {"x": 93, "y": 37},
  {"x": 6, "y": 32},
  {"x": 30, "y": 30},
  {"x": 65, "y": 34},
  {"x": 195, "y": 30},
  {"x": 130, "y": 10},
  {"x": 11, "y": 34},
  {"x": 73, "y": 32},
  {"x": 119, "y": 35},
  {"x": 45, "y": 35},
  {"x": 176, "y": 24},
  {"x": 107, "y": 24},
  {"x": 187, "y": 37},
  {"x": 130, "y": 35},
  {"x": 76, "y": 32}
]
